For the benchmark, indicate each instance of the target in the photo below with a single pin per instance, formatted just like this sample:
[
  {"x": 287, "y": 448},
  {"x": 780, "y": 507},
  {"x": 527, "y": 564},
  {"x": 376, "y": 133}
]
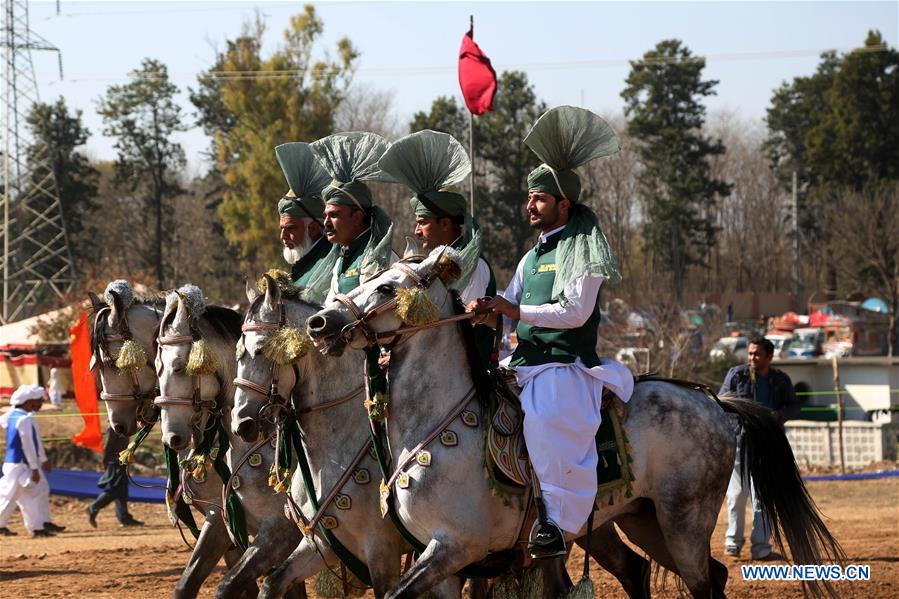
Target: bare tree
[{"x": 864, "y": 233}]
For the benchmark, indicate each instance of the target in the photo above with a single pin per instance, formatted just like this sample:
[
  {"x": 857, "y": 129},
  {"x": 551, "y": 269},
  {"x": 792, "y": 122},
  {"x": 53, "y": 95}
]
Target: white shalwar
[
  {"x": 16, "y": 486},
  {"x": 561, "y": 404}
]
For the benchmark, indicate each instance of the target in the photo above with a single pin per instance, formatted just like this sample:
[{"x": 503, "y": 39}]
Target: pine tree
[{"x": 663, "y": 103}]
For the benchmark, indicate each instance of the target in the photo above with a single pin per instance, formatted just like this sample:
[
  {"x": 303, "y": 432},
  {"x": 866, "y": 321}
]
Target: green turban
[
  {"x": 564, "y": 138},
  {"x": 308, "y": 207},
  {"x": 355, "y": 194},
  {"x": 562, "y": 184},
  {"x": 439, "y": 204},
  {"x": 306, "y": 177},
  {"x": 351, "y": 159}
]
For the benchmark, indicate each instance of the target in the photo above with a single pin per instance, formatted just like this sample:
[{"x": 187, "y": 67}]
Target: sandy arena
[{"x": 112, "y": 562}]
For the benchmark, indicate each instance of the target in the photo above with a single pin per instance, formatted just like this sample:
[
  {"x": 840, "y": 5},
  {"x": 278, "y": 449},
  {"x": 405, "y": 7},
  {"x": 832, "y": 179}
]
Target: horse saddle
[{"x": 508, "y": 465}]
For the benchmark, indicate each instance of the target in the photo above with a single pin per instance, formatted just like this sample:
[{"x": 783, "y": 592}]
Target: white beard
[{"x": 293, "y": 255}]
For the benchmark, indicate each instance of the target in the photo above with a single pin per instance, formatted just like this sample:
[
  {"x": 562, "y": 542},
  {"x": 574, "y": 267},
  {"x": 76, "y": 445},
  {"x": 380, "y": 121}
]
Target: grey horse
[
  {"x": 321, "y": 438},
  {"x": 683, "y": 450},
  {"x": 128, "y": 396},
  {"x": 185, "y": 418},
  {"x": 327, "y": 394}
]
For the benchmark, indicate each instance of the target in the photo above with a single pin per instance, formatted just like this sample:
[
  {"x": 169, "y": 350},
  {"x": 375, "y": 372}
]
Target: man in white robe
[
  {"x": 554, "y": 297},
  {"x": 22, "y": 483}
]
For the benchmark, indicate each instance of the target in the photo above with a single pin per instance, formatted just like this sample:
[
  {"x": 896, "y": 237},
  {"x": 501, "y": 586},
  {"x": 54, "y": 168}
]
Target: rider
[
  {"x": 553, "y": 296},
  {"x": 430, "y": 163},
  {"x": 360, "y": 231},
  {"x": 301, "y": 211}
]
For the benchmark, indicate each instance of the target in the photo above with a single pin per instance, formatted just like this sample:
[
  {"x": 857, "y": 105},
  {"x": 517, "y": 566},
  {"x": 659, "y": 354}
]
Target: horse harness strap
[
  {"x": 411, "y": 455},
  {"x": 348, "y": 472},
  {"x": 354, "y": 564}
]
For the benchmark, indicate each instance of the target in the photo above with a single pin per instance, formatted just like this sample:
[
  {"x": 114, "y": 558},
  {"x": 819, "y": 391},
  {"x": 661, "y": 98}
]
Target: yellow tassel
[
  {"x": 287, "y": 345},
  {"x": 447, "y": 269},
  {"x": 202, "y": 360},
  {"x": 127, "y": 457},
  {"x": 283, "y": 280},
  {"x": 415, "y": 308},
  {"x": 132, "y": 356}
]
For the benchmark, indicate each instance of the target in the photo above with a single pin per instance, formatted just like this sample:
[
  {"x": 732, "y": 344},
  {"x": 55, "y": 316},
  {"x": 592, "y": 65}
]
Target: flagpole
[{"x": 471, "y": 138}]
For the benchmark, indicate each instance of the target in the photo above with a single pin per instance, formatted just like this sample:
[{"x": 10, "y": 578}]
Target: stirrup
[{"x": 546, "y": 540}]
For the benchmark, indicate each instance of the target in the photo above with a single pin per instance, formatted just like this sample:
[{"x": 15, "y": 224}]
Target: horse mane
[{"x": 225, "y": 321}]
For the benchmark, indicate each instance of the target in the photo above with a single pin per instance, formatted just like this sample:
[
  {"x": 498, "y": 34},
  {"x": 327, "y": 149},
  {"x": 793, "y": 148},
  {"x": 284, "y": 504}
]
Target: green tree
[
  {"x": 56, "y": 134},
  {"x": 663, "y": 103},
  {"x": 142, "y": 116},
  {"x": 856, "y": 143},
  {"x": 250, "y": 103},
  {"x": 838, "y": 130},
  {"x": 499, "y": 142}
]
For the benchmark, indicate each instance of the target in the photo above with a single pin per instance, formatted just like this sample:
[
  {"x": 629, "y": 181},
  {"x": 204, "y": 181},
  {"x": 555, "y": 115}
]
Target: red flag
[
  {"x": 85, "y": 387},
  {"x": 476, "y": 76}
]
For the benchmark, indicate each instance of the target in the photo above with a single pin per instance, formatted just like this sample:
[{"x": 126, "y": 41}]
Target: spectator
[
  {"x": 757, "y": 381},
  {"x": 114, "y": 483},
  {"x": 22, "y": 483}
]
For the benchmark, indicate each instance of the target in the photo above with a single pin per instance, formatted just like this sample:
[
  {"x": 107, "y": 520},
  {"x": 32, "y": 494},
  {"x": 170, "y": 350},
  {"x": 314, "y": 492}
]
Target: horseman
[
  {"x": 360, "y": 231},
  {"x": 554, "y": 297},
  {"x": 430, "y": 163},
  {"x": 302, "y": 211}
]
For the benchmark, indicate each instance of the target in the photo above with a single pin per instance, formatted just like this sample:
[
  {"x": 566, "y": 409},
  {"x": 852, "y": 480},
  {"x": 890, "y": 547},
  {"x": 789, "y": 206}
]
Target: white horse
[
  {"x": 129, "y": 395},
  {"x": 325, "y": 395},
  {"x": 683, "y": 450},
  {"x": 193, "y": 404}
]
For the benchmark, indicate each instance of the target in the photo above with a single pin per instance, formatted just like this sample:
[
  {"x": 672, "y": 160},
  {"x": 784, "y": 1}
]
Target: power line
[{"x": 239, "y": 75}]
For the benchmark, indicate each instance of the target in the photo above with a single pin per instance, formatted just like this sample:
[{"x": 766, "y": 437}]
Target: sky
[{"x": 573, "y": 52}]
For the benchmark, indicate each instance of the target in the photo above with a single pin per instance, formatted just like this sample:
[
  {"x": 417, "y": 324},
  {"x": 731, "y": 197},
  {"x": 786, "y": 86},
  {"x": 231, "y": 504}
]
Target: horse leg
[
  {"x": 211, "y": 545},
  {"x": 687, "y": 526},
  {"x": 270, "y": 547},
  {"x": 556, "y": 581},
  {"x": 303, "y": 563},
  {"x": 439, "y": 561},
  {"x": 610, "y": 552},
  {"x": 478, "y": 588}
]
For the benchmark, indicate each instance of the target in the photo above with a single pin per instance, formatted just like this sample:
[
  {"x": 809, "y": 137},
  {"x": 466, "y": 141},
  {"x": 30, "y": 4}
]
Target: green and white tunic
[{"x": 562, "y": 380}]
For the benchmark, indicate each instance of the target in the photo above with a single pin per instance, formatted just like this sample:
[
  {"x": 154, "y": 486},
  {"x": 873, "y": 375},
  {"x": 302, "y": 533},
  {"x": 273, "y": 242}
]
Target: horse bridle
[
  {"x": 147, "y": 412},
  {"x": 201, "y": 406},
  {"x": 277, "y": 406},
  {"x": 363, "y": 319}
]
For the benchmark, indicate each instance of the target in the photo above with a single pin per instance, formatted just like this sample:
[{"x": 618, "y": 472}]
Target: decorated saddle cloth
[{"x": 506, "y": 455}]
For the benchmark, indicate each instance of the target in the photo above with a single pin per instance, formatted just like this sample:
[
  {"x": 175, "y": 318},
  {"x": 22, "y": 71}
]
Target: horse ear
[
  {"x": 446, "y": 269},
  {"x": 118, "y": 306},
  {"x": 96, "y": 302},
  {"x": 182, "y": 313},
  {"x": 413, "y": 248},
  {"x": 272, "y": 292},
  {"x": 252, "y": 291}
]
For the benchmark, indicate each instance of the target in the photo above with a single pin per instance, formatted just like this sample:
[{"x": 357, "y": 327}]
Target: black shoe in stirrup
[{"x": 546, "y": 540}]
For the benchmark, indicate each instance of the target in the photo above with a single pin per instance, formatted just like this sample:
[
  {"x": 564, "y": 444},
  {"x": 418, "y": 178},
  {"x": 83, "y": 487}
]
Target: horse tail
[{"x": 768, "y": 458}]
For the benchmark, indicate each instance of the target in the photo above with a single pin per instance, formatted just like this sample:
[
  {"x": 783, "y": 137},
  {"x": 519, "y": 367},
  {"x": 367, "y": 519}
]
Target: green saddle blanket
[{"x": 508, "y": 465}]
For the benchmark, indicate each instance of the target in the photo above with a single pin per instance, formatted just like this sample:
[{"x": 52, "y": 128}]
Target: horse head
[
  {"x": 194, "y": 361},
  {"x": 122, "y": 339},
  {"x": 408, "y": 293},
  {"x": 269, "y": 347}
]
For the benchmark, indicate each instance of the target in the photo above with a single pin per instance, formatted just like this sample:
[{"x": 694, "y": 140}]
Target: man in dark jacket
[
  {"x": 113, "y": 482},
  {"x": 771, "y": 387}
]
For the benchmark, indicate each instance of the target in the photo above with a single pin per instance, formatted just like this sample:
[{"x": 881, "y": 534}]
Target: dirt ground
[{"x": 112, "y": 562}]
